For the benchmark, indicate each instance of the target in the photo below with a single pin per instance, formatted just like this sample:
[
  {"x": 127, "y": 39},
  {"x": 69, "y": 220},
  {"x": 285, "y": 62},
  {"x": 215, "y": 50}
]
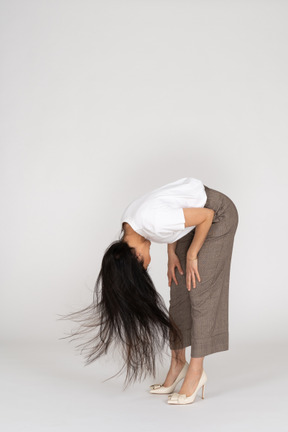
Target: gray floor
[{"x": 45, "y": 387}]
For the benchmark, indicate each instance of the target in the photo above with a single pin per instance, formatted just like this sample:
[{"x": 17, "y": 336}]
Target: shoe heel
[{"x": 203, "y": 391}]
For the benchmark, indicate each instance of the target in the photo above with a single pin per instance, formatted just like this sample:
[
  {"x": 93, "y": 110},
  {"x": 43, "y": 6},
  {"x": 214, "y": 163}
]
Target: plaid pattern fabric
[{"x": 202, "y": 314}]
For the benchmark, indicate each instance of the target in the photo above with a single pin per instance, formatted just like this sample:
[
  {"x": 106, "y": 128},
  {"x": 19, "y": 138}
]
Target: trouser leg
[{"x": 202, "y": 313}]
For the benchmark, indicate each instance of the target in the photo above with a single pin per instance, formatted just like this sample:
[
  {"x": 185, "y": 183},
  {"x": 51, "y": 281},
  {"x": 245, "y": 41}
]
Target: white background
[{"x": 102, "y": 101}]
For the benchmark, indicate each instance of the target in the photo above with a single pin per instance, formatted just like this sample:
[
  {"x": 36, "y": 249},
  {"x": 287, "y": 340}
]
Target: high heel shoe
[
  {"x": 160, "y": 389},
  {"x": 182, "y": 399}
]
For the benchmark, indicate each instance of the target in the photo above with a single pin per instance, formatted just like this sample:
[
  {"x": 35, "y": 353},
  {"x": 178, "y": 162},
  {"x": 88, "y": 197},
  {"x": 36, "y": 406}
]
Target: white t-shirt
[{"x": 158, "y": 215}]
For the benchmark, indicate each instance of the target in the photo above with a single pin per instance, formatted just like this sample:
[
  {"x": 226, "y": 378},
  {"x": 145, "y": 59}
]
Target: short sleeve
[{"x": 169, "y": 220}]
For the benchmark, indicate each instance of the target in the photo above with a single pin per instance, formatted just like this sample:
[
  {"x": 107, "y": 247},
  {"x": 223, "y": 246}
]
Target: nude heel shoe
[
  {"x": 182, "y": 399},
  {"x": 160, "y": 389}
]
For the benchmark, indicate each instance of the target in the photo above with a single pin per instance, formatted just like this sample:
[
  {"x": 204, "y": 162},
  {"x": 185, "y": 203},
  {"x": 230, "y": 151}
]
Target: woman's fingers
[
  {"x": 173, "y": 263},
  {"x": 191, "y": 272},
  {"x": 180, "y": 268},
  {"x": 194, "y": 280},
  {"x": 174, "y": 277},
  {"x": 171, "y": 275},
  {"x": 189, "y": 276}
]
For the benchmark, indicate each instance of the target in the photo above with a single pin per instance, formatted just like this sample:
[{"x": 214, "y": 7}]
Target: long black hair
[{"x": 126, "y": 309}]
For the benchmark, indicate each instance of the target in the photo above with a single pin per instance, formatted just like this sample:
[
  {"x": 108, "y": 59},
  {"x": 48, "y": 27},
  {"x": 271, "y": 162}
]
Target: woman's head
[
  {"x": 128, "y": 310},
  {"x": 140, "y": 245}
]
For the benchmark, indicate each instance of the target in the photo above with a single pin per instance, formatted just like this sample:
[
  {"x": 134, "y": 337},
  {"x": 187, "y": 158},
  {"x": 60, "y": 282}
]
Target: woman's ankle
[{"x": 175, "y": 363}]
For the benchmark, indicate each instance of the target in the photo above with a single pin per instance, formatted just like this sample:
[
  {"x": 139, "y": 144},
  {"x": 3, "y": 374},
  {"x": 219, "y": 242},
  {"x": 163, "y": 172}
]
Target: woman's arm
[
  {"x": 173, "y": 263},
  {"x": 202, "y": 219},
  {"x": 171, "y": 247}
]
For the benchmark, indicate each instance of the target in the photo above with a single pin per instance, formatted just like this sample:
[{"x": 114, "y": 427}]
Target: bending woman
[{"x": 198, "y": 224}]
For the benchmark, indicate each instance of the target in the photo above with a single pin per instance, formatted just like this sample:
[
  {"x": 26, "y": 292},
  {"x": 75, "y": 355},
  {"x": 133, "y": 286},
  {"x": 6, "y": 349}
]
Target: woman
[{"x": 198, "y": 224}]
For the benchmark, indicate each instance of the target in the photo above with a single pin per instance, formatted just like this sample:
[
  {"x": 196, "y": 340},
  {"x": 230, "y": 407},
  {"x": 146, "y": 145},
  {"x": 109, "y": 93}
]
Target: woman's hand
[
  {"x": 173, "y": 262},
  {"x": 191, "y": 271}
]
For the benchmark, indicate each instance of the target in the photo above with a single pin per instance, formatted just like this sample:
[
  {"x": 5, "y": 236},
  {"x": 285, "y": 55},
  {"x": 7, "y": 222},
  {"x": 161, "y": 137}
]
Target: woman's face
[{"x": 141, "y": 248}]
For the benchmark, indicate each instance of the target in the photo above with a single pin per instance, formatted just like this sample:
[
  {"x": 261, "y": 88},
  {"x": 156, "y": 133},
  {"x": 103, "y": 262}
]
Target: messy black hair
[{"x": 126, "y": 309}]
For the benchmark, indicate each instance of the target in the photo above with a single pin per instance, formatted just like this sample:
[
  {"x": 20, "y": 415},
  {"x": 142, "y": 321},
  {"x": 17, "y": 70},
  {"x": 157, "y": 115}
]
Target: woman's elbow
[{"x": 211, "y": 214}]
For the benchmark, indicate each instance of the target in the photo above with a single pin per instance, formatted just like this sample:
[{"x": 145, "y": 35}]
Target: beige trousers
[{"x": 202, "y": 315}]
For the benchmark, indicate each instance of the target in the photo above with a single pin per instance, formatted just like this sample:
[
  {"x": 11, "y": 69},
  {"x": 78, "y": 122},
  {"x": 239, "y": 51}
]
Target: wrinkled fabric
[{"x": 202, "y": 314}]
